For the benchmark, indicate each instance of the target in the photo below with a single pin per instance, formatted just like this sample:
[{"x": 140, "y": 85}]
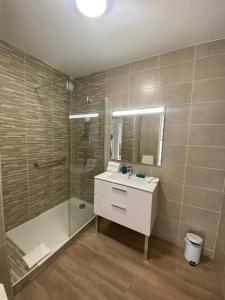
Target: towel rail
[{"x": 52, "y": 163}]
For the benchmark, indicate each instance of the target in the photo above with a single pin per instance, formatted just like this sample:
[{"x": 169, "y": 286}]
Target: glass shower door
[{"x": 86, "y": 161}]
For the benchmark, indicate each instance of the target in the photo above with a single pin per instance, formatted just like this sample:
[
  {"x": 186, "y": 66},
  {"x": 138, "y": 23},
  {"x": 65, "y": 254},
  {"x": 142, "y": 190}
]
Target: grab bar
[{"x": 53, "y": 163}]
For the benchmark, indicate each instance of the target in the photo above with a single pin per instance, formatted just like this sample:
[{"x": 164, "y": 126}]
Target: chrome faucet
[{"x": 130, "y": 172}]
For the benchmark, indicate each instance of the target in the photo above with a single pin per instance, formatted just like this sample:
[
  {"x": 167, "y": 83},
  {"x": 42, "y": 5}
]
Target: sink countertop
[{"x": 133, "y": 181}]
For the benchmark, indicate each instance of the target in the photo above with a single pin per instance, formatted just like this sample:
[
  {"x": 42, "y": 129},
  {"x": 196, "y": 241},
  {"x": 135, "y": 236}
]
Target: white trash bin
[{"x": 193, "y": 248}]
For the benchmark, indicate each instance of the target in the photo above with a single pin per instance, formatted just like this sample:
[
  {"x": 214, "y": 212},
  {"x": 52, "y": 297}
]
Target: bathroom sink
[{"x": 126, "y": 180}]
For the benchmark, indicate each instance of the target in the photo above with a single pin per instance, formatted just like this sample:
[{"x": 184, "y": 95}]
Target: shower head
[{"x": 89, "y": 100}]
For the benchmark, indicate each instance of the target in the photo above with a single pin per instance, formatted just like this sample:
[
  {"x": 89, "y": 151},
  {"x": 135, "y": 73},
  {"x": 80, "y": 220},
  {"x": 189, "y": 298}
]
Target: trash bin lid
[{"x": 194, "y": 238}]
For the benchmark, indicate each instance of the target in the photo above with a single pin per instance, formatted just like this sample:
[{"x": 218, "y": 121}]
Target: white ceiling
[{"x": 55, "y": 32}]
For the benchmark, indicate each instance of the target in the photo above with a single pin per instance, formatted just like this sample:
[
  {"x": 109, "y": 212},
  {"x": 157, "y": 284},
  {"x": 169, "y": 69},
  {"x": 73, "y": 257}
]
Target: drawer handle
[
  {"x": 121, "y": 190},
  {"x": 118, "y": 206}
]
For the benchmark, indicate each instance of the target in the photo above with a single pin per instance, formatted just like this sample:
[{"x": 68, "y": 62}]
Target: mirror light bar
[
  {"x": 141, "y": 111},
  {"x": 83, "y": 116}
]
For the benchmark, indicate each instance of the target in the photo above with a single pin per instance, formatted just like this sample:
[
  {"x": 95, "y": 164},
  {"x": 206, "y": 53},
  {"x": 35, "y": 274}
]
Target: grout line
[
  {"x": 195, "y": 146},
  {"x": 186, "y": 156},
  {"x": 211, "y": 102},
  {"x": 210, "y": 55},
  {"x": 190, "y": 205},
  {"x": 171, "y": 164},
  {"x": 170, "y": 85},
  {"x": 193, "y": 186},
  {"x": 209, "y": 78},
  {"x": 196, "y": 124},
  {"x": 207, "y": 168},
  {"x": 176, "y": 63}
]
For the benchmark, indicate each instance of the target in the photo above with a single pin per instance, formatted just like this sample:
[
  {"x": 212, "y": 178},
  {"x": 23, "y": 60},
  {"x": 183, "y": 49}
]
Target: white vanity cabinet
[{"x": 129, "y": 202}]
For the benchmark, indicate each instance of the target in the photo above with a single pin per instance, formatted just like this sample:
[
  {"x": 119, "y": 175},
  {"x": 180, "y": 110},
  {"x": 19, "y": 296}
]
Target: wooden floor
[{"x": 111, "y": 266}]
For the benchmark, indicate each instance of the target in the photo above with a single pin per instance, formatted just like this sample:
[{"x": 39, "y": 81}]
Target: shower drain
[{"x": 82, "y": 206}]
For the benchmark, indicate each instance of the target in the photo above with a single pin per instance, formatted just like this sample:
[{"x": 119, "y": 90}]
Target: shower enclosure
[
  {"x": 87, "y": 118},
  {"x": 52, "y": 146}
]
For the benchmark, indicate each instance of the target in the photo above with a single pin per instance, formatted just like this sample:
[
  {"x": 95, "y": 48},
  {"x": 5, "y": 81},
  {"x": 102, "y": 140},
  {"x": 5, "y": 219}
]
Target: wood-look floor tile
[{"x": 110, "y": 265}]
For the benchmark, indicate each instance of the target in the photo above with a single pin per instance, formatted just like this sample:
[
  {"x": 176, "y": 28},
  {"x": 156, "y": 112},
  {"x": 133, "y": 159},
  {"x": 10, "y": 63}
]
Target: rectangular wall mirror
[{"x": 137, "y": 134}]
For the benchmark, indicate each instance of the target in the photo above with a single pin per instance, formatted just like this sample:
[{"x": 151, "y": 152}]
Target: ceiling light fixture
[{"x": 92, "y": 8}]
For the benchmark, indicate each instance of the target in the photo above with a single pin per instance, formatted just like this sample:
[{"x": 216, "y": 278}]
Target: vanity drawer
[
  {"x": 111, "y": 190},
  {"x": 129, "y": 207}
]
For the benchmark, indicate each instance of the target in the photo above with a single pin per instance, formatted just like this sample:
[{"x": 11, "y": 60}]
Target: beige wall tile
[
  {"x": 209, "y": 90},
  {"x": 117, "y": 85},
  {"x": 143, "y": 98},
  {"x": 208, "y": 113},
  {"x": 204, "y": 177},
  {"x": 177, "y": 114},
  {"x": 207, "y": 135},
  {"x": 177, "y": 56},
  {"x": 210, "y": 67},
  {"x": 174, "y": 94},
  {"x": 165, "y": 237},
  {"x": 208, "y": 236},
  {"x": 144, "y": 64},
  {"x": 210, "y": 157},
  {"x": 118, "y": 71},
  {"x": 200, "y": 217},
  {"x": 118, "y": 101},
  {"x": 175, "y": 134},
  {"x": 210, "y": 48},
  {"x": 173, "y": 173},
  {"x": 166, "y": 226},
  {"x": 203, "y": 198},
  {"x": 173, "y": 154},
  {"x": 144, "y": 80},
  {"x": 145, "y": 169},
  {"x": 169, "y": 209},
  {"x": 170, "y": 191},
  {"x": 177, "y": 73}
]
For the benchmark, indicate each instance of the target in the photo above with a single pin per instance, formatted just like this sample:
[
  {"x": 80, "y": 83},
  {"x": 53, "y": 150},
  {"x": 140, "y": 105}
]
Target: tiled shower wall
[
  {"x": 190, "y": 83},
  {"x": 4, "y": 274},
  {"x": 87, "y": 137},
  {"x": 33, "y": 127}
]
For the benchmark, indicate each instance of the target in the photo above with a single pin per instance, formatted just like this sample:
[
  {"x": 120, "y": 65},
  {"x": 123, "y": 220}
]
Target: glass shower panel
[{"x": 86, "y": 158}]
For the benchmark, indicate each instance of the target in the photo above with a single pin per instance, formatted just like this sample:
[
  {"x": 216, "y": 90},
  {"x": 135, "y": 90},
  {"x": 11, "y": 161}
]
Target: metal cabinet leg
[
  {"x": 146, "y": 250},
  {"x": 96, "y": 224}
]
